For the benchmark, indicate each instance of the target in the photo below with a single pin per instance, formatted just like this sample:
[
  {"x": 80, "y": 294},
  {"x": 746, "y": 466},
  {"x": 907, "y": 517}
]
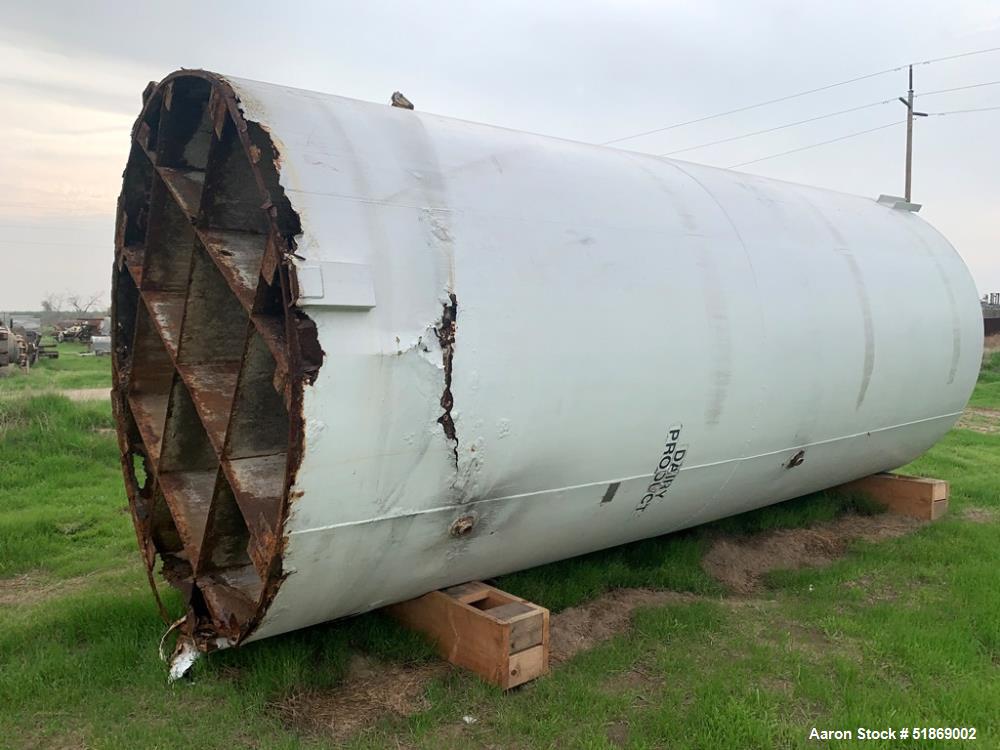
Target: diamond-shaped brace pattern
[{"x": 201, "y": 353}]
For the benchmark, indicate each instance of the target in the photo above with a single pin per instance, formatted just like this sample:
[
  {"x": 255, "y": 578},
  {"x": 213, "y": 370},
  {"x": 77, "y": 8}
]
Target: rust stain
[{"x": 462, "y": 526}]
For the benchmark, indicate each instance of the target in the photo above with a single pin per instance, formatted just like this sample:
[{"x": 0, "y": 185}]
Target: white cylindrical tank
[{"x": 531, "y": 348}]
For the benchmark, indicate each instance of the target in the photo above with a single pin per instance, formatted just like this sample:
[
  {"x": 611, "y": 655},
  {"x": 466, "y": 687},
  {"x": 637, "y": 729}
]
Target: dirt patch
[
  {"x": 370, "y": 691},
  {"x": 641, "y": 685},
  {"x": 635, "y": 679},
  {"x": 991, "y": 343},
  {"x": 979, "y": 419},
  {"x": 580, "y": 628},
  {"x": 784, "y": 686},
  {"x": 71, "y": 741},
  {"x": 799, "y": 638},
  {"x": 33, "y": 588},
  {"x": 739, "y": 563},
  {"x": 617, "y": 734},
  {"x": 979, "y": 515},
  {"x": 872, "y": 590}
]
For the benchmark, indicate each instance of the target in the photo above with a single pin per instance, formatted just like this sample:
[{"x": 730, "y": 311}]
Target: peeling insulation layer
[{"x": 363, "y": 352}]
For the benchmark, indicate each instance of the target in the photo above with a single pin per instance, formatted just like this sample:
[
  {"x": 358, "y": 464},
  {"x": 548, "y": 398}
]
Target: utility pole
[{"x": 910, "y": 114}]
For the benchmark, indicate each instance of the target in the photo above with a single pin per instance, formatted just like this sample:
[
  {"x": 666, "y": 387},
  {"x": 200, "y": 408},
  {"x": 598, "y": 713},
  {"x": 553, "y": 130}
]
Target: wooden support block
[
  {"x": 926, "y": 499},
  {"x": 502, "y": 638}
]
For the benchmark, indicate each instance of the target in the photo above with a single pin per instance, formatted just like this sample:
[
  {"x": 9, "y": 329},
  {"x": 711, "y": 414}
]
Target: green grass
[
  {"x": 987, "y": 392},
  {"x": 63, "y": 509},
  {"x": 70, "y": 370},
  {"x": 900, "y": 633}
]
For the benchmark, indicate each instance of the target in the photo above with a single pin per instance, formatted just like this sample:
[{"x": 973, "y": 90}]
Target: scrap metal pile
[{"x": 23, "y": 348}]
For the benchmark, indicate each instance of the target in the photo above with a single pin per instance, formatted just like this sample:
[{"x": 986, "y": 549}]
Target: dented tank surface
[{"x": 363, "y": 352}]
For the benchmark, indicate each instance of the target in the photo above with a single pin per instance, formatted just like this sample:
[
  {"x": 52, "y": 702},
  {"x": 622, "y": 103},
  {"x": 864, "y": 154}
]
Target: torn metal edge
[{"x": 446, "y": 333}]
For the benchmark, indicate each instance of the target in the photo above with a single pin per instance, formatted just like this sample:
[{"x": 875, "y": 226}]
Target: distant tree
[
  {"x": 83, "y": 304},
  {"x": 52, "y": 303}
]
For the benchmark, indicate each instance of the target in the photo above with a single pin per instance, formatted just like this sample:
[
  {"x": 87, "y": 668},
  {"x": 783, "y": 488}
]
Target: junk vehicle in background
[
  {"x": 23, "y": 348},
  {"x": 362, "y": 352},
  {"x": 10, "y": 348},
  {"x": 80, "y": 332}
]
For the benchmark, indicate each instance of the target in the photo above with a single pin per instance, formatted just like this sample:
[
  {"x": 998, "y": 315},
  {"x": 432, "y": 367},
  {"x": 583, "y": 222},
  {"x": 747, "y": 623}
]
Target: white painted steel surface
[{"x": 610, "y": 305}]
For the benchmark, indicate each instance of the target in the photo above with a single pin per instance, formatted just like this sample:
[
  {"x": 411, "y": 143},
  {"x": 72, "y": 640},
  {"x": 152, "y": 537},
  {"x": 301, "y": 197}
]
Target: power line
[
  {"x": 955, "y": 57},
  {"x": 957, "y": 88},
  {"x": 800, "y": 93},
  {"x": 823, "y": 117},
  {"x": 777, "y": 127},
  {"x": 755, "y": 106},
  {"x": 816, "y": 145},
  {"x": 961, "y": 111},
  {"x": 829, "y": 114},
  {"x": 861, "y": 132}
]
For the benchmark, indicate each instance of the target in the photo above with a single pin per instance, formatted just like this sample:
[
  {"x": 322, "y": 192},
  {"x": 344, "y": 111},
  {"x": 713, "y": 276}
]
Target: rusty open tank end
[{"x": 210, "y": 355}]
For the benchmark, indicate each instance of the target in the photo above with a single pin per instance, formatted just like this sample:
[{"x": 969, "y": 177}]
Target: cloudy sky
[{"x": 591, "y": 71}]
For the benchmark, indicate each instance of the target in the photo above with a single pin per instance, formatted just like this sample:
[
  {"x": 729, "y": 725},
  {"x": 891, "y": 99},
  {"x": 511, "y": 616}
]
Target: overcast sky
[{"x": 592, "y": 71}]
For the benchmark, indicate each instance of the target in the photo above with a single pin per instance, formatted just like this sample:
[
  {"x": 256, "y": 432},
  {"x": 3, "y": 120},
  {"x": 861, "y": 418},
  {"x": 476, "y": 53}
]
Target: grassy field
[
  {"x": 904, "y": 632},
  {"x": 987, "y": 393},
  {"x": 69, "y": 371}
]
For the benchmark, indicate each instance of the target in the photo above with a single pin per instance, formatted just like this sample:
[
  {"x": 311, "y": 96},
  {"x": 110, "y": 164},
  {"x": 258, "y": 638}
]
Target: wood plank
[
  {"x": 500, "y": 637},
  {"x": 918, "y": 497},
  {"x": 510, "y": 611},
  {"x": 526, "y": 666},
  {"x": 467, "y": 592},
  {"x": 526, "y": 624}
]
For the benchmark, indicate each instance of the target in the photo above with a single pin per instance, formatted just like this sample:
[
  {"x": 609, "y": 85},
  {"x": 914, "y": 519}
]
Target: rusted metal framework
[{"x": 210, "y": 358}]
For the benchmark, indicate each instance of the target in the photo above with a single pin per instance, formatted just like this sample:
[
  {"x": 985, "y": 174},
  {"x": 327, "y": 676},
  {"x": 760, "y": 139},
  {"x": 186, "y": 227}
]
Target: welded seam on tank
[
  {"x": 869, "y": 327},
  {"x": 763, "y": 329},
  {"x": 841, "y": 248},
  {"x": 716, "y": 312},
  {"x": 956, "y": 327},
  {"x": 621, "y": 480}
]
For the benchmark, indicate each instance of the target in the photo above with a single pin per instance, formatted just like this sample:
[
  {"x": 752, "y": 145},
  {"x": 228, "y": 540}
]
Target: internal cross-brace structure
[{"x": 210, "y": 354}]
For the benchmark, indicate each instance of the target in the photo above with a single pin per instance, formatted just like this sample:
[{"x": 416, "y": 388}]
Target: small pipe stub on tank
[{"x": 463, "y": 525}]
